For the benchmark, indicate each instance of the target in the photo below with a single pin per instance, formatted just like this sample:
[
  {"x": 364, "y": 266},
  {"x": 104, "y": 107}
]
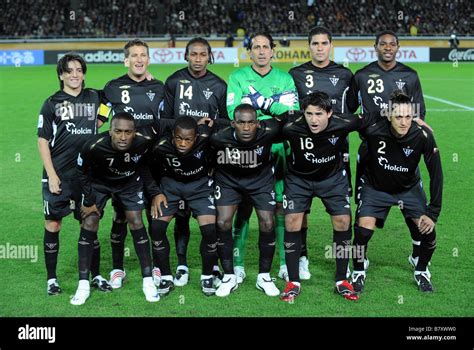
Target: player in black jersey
[
  {"x": 196, "y": 92},
  {"x": 244, "y": 168},
  {"x": 67, "y": 120},
  {"x": 324, "y": 75},
  {"x": 372, "y": 87},
  {"x": 315, "y": 138},
  {"x": 141, "y": 97},
  {"x": 110, "y": 165},
  {"x": 315, "y": 169},
  {"x": 185, "y": 155},
  {"x": 392, "y": 178}
]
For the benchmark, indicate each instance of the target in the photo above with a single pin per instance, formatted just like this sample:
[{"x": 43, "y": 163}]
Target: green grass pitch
[{"x": 390, "y": 290}]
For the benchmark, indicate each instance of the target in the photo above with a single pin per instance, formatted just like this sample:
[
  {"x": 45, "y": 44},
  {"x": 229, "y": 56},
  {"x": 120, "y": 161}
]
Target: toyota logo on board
[
  {"x": 356, "y": 54},
  {"x": 163, "y": 55}
]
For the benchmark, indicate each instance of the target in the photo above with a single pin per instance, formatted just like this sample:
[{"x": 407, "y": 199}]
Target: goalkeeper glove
[
  {"x": 257, "y": 100},
  {"x": 287, "y": 98}
]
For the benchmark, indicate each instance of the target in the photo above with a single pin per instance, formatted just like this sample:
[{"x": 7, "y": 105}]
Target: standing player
[
  {"x": 135, "y": 94},
  {"x": 324, "y": 75},
  {"x": 67, "y": 120},
  {"x": 110, "y": 165},
  {"x": 392, "y": 178},
  {"x": 244, "y": 168},
  {"x": 372, "y": 86},
  {"x": 186, "y": 158},
  {"x": 196, "y": 92},
  {"x": 273, "y": 83}
]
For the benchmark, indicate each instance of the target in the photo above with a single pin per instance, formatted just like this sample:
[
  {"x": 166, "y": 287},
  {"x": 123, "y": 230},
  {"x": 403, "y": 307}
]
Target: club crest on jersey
[
  {"x": 400, "y": 84},
  {"x": 333, "y": 140},
  {"x": 275, "y": 90},
  {"x": 198, "y": 155},
  {"x": 259, "y": 150},
  {"x": 207, "y": 93},
  {"x": 151, "y": 95},
  {"x": 136, "y": 157},
  {"x": 407, "y": 151},
  {"x": 334, "y": 80}
]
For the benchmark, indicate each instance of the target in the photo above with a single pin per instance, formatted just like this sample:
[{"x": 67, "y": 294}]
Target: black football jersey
[
  {"x": 372, "y": 87},
  {"x": 393, "y": 163},
  {"x": 186, "y": 95},
  {"x": 99, "y": 162},
  {"x": 67, "y": 122},
  {"x": 334, "y": 80},
  {"x": 184, "y": 167},
  {"x": 236, "y": 158},
  {"x": 142, "y": 99},
  {"x": 317, "y": 157}
]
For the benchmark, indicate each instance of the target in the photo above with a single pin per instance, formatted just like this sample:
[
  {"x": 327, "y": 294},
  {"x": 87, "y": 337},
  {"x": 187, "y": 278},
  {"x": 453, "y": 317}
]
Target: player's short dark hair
[
  {"x": 319, "y": 30},
  {"x": 63, "y": 67},
  {"x": 319, "y": 99},
  {"x": 244, "y": 107},
  {"x": 266, "y": 35},
  {"x": 124, "y": 116},
  {"x": 385, "y": 32},
  {"x": 203, "y": 41},
  {"x": 135, "y": 42},
  {"x": 399, "y": 97},
  {"x": 186, "y": 123}
]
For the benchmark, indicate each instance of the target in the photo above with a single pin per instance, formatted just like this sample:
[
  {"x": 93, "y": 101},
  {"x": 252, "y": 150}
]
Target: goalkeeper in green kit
[{"x": 261, "y": 85}]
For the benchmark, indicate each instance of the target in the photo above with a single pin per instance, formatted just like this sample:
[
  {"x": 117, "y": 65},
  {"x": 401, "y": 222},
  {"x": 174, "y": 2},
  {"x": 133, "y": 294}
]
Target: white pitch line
[
  {"x": 449, "y": 102},
  {"x": 446, "y": 110}
]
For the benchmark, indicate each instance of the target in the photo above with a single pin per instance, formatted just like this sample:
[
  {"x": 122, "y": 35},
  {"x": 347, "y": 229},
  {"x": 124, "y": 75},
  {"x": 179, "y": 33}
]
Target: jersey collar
[{"x": 264, "y": 75}]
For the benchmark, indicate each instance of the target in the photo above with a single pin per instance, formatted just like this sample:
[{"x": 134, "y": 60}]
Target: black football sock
[
  {"x": 117, "y": 240},
  {"x": 362, "y": 236},
  {"x": 266, "y": 246},
  {"x": 160, "y": 246},
  {"x": 304, "y": 247},
  {"x": 225, "y": 248},
  {"x": 427, "y": 248},
  {"x": 51, "y": 251},
  {"x": 342, "y": 244},
  {"x": 292, "y": 254},
  {"x": 95, "y": 266},
  {"x": 85, "y": 247},
  {"x": 181, "y": 238},
  {"x": 415, "y": 237},
  {"x": 142, "y": 248},
  {"x": 208, "y": 248}
]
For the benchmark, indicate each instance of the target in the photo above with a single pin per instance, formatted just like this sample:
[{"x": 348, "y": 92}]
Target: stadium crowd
[{"x": 102, "y": 18}]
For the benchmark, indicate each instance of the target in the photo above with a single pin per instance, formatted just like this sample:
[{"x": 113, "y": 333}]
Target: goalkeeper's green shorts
[{"x": 279, "y": 159}]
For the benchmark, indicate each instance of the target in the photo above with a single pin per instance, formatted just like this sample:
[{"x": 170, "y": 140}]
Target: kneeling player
[
  {"x": 315, "y": 169},
  {"x": 110, "y": 166},
  {"x": 244, "y": 167},
  {"x": 185, "y": 156},
  {"x": 391, "y": 178}
]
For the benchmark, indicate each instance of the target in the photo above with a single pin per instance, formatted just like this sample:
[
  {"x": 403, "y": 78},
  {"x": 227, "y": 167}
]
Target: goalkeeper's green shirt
[{"x": 274, "y": 82}]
